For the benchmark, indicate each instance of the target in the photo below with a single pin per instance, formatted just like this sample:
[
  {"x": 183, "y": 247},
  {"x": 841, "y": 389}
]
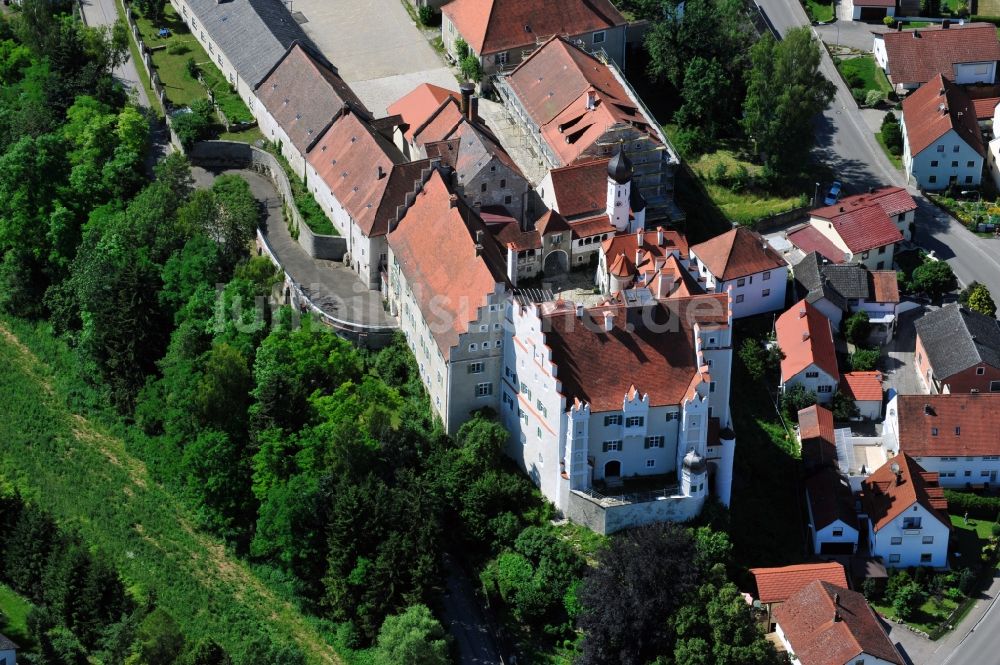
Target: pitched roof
[
  {"x": 511, "y": 234},
  {"x": 985, "y": 107},
  {"x": 887, "y": 495},
  {"x": 819, "y": 447},
  {"x": 840, "y": 283},
  {"x": 806, "y": 338},
  {"x": 737, "y": 253},
  {"x": 6, "y": 644},
  {"x": 416, "y": 106},
  {"x": 651, "y": 247},
  {"x": 657, "y": 359},
  {"x": 356, "y": 163},
  {"x": 591, "y": 226},
  {"x": 436, "y": 249},
  {"x": 974, "y": 416},
  {"x": 552, "y": 86},
  {"x": 830, "y": 498},
  {"x": 956, "y": 338},
  {"x": 551, "y": 222},
  {"x": 580, "y": 189},
  {"x": 253, "y": 34},
  {"x": 440, "y": 125},
  {"x": 937, "y": 107},
  {"x": 808, "y": 239},
  {"x": 884, "y": 286},
  {"x": 917, "y": 56},
  {"x": 860, "y": 227},
  {"x": 776, "y": 585},
  {"x": 490, "y": 26},
  {"x": 862, "y": 386},
  {"x": 470, "y": 148},
  {"x": 304, "y": 96},
  {"x": 828, "y": 624},
  {"x": 893, "y": 200}
]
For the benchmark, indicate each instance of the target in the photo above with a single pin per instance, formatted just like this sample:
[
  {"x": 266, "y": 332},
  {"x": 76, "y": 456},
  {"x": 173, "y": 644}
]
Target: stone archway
[
  {"x": 556, "y": 263},
  {"x": 612, "y": 470}
]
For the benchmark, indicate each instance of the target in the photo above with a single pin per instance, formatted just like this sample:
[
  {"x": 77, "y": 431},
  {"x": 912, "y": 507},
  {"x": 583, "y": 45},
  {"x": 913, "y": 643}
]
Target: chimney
[
  {"x": 916, "y": 34},
  {"x": 466, "y": 89},
  {"x": 591, "y": 100},
  {"x": 836, "y": 598},
  {"x": 639, "y": 237},
  {"x": 945, "y": 24},
  {"x": 661, "y": 287},
  {"x": 379, "y": 172},
  {"x": 638, "y": 256},
  {"x": 659, "y": 236},
  {"x": 511, "y": 264},
  {"x": 609, "y": 321},
  {"x": 452, "y": 200},
  {"x": 473, "y": 109},
  {"x": 579, "y": 310},
  {"x": 836, "y": 616}
]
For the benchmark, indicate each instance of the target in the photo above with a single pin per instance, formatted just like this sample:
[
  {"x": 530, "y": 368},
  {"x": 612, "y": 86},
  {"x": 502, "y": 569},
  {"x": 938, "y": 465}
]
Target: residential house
[
  {"x": 865, "y": 228},
  {"x": 299, "y": 98},
  {"x": 8, "y": 651},
  {"x": 447, "y": 285},
  {"x": 966, "y": 53},
  {"x": 873, "y": 10},
  {"x": 833, "y": 523},
  {"x": 906, "y": 514},
  {"x": 958, "y": 351},
  {"x": 953, "y": 435},
  {"x": 942, "y": 142},
  {"x": 361, "y": 182},
  {"x": 841, "y": 289},
  {"x": 805, "y": 338},
  {"x": 245, "y": 39},
  {"x": 414, "y": 109},
  {"x": 634, "y": 259},
  {"x": 502, "y": 33},
  {"x": 864, "y": 389},
  {"x": 777, "y": 585},
  {"x": 816, "y": 437},
  {"x": 574, "y": 108},
  {"x": 742, "y": 262},
  {"x": 596, "y": 399},
  {"x": 828, "y": 624}
]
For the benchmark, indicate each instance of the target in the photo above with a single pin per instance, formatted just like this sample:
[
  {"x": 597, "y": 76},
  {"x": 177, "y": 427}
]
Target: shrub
[
  {"x": 854, "y": 80},
  {"x": 843, "y": 407},
  {"x": 196, "y": 125},
  {"x": 966, "y": 581},
  {"x": 857, "y": 328},
  {"x": 192, "y": 68},
  {"x": 865, "y": 360},
  {"x": 461, "y": 48},
  {"x": 859, "y": 95},
  {"x": 412, "y": 637},
  {"x": 471, "y": 69},
  {"x": 889, "y": 119},
  {"x": 427, "y": 16},
  {"x": 178, "y": 48},
  {"x": 795, "y": 399},
  {"x": 719, "y": 173},
  {"x": 973, "y": 505},
  {"x": 892, "y": 136},
  {"x": 741, "y": 179},
  {"x": 888, "y": 21},
  {"x": 977, "y": 297},
  {"x": 874, "y": 97},
  {"x": 935, "y": 278}
]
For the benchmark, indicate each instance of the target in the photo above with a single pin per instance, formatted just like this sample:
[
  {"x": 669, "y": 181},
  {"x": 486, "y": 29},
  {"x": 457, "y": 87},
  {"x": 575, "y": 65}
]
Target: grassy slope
[
  {"x": 819, "y": 10},
  {"x": 740, "y": 207},
  {"x": 864, "y": 66},
  {"x": 74, "y": 468},
  {"x": 14, "y": 620}
]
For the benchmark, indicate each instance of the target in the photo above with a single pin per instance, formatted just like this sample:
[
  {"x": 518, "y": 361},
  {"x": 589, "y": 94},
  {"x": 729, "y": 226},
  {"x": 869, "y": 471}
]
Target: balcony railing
[{"x": 631, "y": 497}]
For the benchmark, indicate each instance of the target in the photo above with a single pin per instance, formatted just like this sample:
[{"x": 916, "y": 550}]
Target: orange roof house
[
  {"x": 956, "y": 425},
  {"x": 805, "y": 337},
  {"x": 418, "y": 105},
  {"x": 777, "y": 585},
  {"x": 828, "y": 624},
  {"x": 915, "y": 57},
  {"x": 816, "y": 435},
  {"x": 737, "y": 253}
]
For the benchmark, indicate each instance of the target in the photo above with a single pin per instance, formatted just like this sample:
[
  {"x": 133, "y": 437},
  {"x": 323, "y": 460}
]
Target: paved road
[
  {"x": 465, "y": 621},
  {"x": 848, "y": 146},
  {"x": 103, "y": 12}
]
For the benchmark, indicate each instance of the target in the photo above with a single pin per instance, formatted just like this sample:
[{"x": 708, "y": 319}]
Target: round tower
[
  {"x": 619, "y": 188},
  {"x": 694, "y": 475}
]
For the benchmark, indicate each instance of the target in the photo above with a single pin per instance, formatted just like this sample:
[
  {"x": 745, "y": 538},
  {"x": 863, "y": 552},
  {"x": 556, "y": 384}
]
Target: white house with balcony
[
  {"x": 906, "y": 514},
  {"x": 620, "y": 413}
]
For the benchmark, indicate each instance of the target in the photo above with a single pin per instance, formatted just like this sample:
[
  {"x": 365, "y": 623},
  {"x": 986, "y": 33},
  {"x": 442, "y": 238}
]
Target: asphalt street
[
  {"x": 103, "y": 12},
  {"x": 847, "y": 145}
]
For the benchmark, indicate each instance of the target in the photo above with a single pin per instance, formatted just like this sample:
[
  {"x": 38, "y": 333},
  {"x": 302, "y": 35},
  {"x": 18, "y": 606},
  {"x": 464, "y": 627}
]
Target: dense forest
[{"x": 317, "y": 463}]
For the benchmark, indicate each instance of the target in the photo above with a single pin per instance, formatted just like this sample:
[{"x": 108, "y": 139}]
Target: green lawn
[
  {"x": 819, "y": 11},
  {"x": 741, "y": 207},
  {"x": 171, "y": 65},
  {"x": 930, "y": 615},
  {"x": 14, "y": 617},
  {"x": 917, "y": 24},
  {"x": 865, "y": 70},
  {"x": 896, "y": 161},
  {"x": 969, "y": 538}
]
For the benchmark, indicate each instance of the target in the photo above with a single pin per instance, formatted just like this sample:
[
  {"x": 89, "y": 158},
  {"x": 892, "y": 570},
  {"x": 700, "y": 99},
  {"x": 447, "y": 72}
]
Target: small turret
[{"x": 620, "y": 167}]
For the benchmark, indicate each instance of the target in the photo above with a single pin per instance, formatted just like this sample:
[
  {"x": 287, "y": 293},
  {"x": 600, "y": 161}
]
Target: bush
[
  {"x": 935, "y": 278},
  {"x": 892, "y": 136},
  {"x": 843, "y": 407},
  {"x": 865, "y": 360},
  {"x": 857, "y": 328},
  {"x": 195, "y": 125},
  {"x": 178, "y": 48},
  {"x": 795, "y": 399},
  {"x": 192, "y": 68},
  {"x": 471, "y": 69},
  {"x": 859, "y": 95},
  {"x": 973, "y": 505},
  {"x": 741, "y": 179},
  {"x": 977, "y": 297},
  {"x": 888, "y": 21},
  {"x": 461, "y": 49},
  {"x": 874, "y": 97},
  {"x": 907, "y": 600},
  {"x": 889, "y": 119},
  {"x": 854, "y": 80},
  {"x": 691, "y": 142},
  {"x": 412, "y": 637},
  {"x": 719, "y": 173},
  {"x": 427, "y": 16}
]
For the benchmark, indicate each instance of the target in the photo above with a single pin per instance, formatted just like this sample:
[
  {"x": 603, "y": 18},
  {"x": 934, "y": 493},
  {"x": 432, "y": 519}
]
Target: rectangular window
[
  {"x": 472, "y": 347},
  {"x": 741, "y": 281},
  {"x": 837, "y": 533},
  {"x": 984, "y": 474},
  {"x": 932, "y": 178},
  {"x": 673, "y": 416},
  {"x": 896, "y": 540},
  {"x": 968, "y": 473},
  {"x": 739, "y": 298},
  {"x": 634, "y": 421},
  {"x": 925, "y": 557},
  {"x": 911, "y": 522},
  {"x": 994, "y": 386},
  {"x": 934, "y": 163},
  {"x": 476, "y": 368},
  {"x": 970, "y": 164},
  {"x": 940, "y": 148},
  {"x": 980, "y": 371},
  {"x": 502, "y": 58},
  {"x": 824, "y": 389},
  {"x": 893, "y": 558},
  {"x": 654, "y": 441},
  {"x": 765, "y": 293},
  {"x": 928, "y": 540},
  {"x": 507, "y": 200},
  {"x": 612, "y": 445},
  {"x": 600, "y": 36},
  {"x": 503, "y": 183},
  {"x": 484, "y": 389},
  {"x": 812, "y": 375},
  {"x": 612, "y": 420},
  {"x": 650, "y": 463},
  {"x": 958, "y": 431},
  {"x": 508, "y": 401},
  {"x": 482, "y": 188},
  {"x": 711, "y": 386},
  {"x": 968, "y": 180},
  {"x": 954, "y": 165},
  {"x": 934, "y": 431},
  {"x": 881, "y": 250},
  {"x": 954, "y": 148},
  {"x": 767, "y": 275}
]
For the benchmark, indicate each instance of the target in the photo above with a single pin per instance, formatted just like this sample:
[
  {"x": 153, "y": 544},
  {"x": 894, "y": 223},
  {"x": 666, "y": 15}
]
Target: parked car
[{"x": 833, "y": 195}]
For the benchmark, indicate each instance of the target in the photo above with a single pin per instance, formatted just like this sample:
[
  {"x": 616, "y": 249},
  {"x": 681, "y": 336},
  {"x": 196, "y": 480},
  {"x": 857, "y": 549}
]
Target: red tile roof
[
  {"x": 885, "y": 285},
  {"x": 511, "y": 234},
  {"x": 975, "y": 415},
  {"x": 893, "y": 200},
  {"x": 304, "y": 96},
  {"x": 862, "y": 221},
  {"x": 490, "y": 26},
  {"x": 440, "y": 125},
  {"x": 737, "y": 253},
  {"x": 862, "y": 386},
  {"x": 930, "y": 113},
  {"x": 806, "y": 338},
  {"x": 551, "y": 222},
  {"x": 776, "y": 585},
  {"x": 809, "y": 239},
  {"x": 985, "y": 107},
  {"x": 418, "y": 105},
  {"x": 591, "y": 226},
  {"x": 580, "y": 189},
  {"x": 658, "y": 360},
  {"x": 830, "y": 498},
  {"x": 651, "y": 247},
  {"x": 886, "y": 496},
  {"x": 435, "y": 247},
  {"x": 819, "y": 446},
  {"x": 917, "y": 56},
  {"x": 356, "y": 162},
  {"x": 828, "y": 624},
  {"x": 552, "y": 86}
]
